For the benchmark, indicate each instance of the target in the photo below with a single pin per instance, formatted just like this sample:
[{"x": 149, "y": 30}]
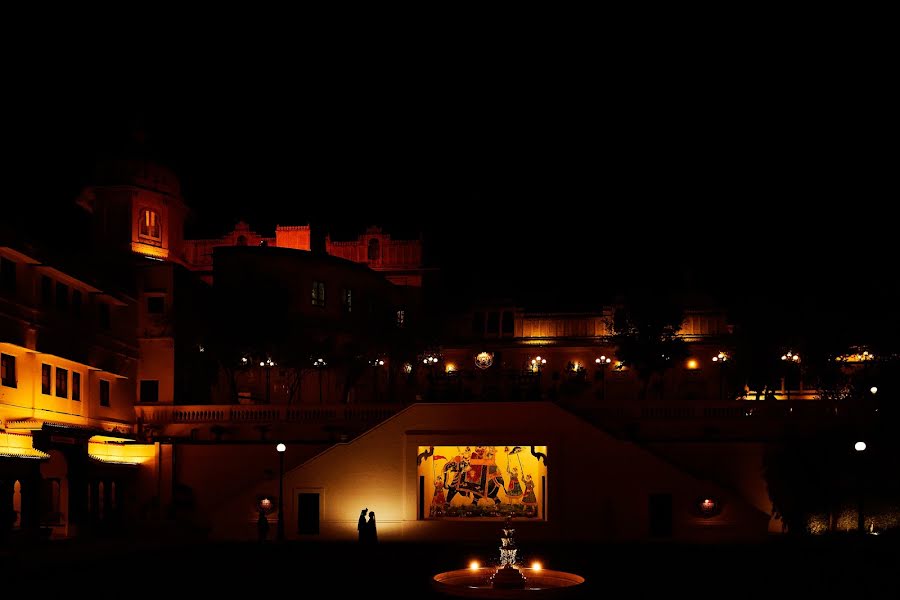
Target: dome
[{"x": 138, "y": 172}]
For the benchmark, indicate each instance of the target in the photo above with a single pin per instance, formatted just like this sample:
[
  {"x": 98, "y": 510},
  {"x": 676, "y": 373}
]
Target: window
[
  {"x": 374, "y": 250},
  {"x": 241, "y": 241},
  {"x": 308, "y": 514},
  {"x": 104, "y": 392},
  {"x": 7, "y": 275},
  {"x": 76, "y": 385},
  {"x": 149, "y": 390},
  {"x": 46, "y": 290},
  {"x": 478, "y": 323},
  {"x": 8, "y": 370},
  {"x": 76, "y": 303},
  {"x": 318, "y": 293},
  {"x": 62, "y": 296},
  {"x": 103, "y": 315},
  {"x": 347, "y": 300},
  {"x": 507, "y": 322},
  {"x": 62, "y": 383},
  {"x": 45, "y": 379},
  {"x": 156, "y": 305},
  {"x": 150, "y": 224},
  {"x": 401, "y": 318},
  {"x": 493, "y": 323}
]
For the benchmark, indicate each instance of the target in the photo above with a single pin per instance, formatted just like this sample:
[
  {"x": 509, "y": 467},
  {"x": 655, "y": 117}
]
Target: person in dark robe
[
  {"x": 361, "y": 526},
  {"x": 371, "y": 531}
]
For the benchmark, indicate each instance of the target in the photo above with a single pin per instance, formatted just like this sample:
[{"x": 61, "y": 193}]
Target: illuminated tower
[{"x": 137, "y": 206}]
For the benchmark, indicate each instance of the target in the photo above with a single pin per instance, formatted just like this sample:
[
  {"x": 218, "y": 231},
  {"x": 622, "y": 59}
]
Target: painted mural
[{"x": 483, "y": 482}]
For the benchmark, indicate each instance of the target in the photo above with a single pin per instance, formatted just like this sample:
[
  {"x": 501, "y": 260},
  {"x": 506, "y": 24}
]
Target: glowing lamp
[
  {"x": 873, "y": 389},
  {"x": 597, "y": 361},
  {"x": 859, "y": 446},
  {"x": 474, "y": 565},
  {"x": 281, "y": 447},
  {"x": 692, "y": 364},
  {"x": 715, "y": 359},
  {"x": 450, "y": 367},
  {"x": 708, "y": 507},
  {"x": 536, "y": 566}
]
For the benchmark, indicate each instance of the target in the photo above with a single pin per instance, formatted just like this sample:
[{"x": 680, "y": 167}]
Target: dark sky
[{"x": 558, "y": 177}]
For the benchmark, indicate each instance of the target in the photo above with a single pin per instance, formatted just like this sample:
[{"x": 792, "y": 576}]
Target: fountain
[{"x": 507, "y": 580}]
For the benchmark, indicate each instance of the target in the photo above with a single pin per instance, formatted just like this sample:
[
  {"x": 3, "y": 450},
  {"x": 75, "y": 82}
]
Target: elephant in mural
[{"x": 473, "y": 477}]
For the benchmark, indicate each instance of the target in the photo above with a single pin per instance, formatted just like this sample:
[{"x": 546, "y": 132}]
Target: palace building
[{"x": 155, "y": 378}]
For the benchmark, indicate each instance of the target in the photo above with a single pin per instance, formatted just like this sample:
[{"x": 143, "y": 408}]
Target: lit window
[
  {"x": 150, "y": 390},
  {"x": 150, "y": 224},
  {"x": 104, "y": 392},
  {"x": 62, "y": 383},
  {"x": 347, "y": 300},
  {"x": 76, "y": 385},
  {"x": 7, "y": 275},
  {"x": 8, "y": 370},
  {"x": 401, "y": 318},
  {"x": 318, "y": 293},
  {"x": 45, "y": 379}
]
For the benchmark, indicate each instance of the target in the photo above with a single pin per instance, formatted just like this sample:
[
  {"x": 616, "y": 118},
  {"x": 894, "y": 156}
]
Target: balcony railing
[{"x": 227, "y": 413}]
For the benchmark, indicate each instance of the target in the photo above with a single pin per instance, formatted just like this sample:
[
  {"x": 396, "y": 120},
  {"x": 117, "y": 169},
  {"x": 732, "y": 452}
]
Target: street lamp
[
  {"x": 602, "y": 362},
  {"x": 720, "y": 359},
  {"x": 375, "y": 363},
  {"x": 320, "y": 364},
  {"x": 860, "y": 448},
  {"x": 267, "y": 364},
  {"x": 789, "y": 358},
  {"x": 280, "y": 448}
]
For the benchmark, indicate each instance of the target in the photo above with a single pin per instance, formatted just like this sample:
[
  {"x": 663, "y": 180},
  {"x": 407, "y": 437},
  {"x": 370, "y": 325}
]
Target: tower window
[
  {"x": 45, "y": 379},
  {"x": 76, "y": 385},
  {"x": 150, "y": 224},
  {"x": 401, "y": 318},
  {"x": 374, "y": 250}
]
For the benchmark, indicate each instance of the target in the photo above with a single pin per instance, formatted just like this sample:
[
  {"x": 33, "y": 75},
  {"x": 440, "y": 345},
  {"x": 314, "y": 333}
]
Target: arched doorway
[{"x": 54, "y": 507}]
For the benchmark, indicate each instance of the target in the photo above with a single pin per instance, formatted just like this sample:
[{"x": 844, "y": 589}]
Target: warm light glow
[
  {"x": 538, "y": 358},
  {"x": 474, "y": 565},
  {"x": 715, "y": 359},
  {"x": 380, "y": 363},
  {"x": 120, "y": 453},
  {"x": 450, "y": 367},
  {"x": 262, "y": 364},
  {"x": 859, "y": 446},
  {"x": 597, "y": 361},
  {"x": 536, "y": 566},
  {"x": 873, "y": 389},
  {"x": 576, "y": 365},
  {"x": 407, "y": 368},
  {"x": 281, "y": 447},
  {"x": 692, "y": 364},
  {"x": 543, "y": 361}
]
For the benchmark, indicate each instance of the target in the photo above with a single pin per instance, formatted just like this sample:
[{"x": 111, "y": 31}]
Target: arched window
[
  {"x": 374, "y": 250},
  {"x": 149, "y": 224}
]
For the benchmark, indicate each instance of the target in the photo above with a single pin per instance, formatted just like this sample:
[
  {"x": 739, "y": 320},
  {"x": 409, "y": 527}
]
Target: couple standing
[{"x": 367, "y": 531}]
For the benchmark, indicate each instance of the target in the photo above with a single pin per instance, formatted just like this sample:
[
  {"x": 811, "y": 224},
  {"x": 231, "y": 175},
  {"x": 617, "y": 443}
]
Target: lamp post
[
  {"x": 721, "y": 358},
  {"x": 320, "y": 364},
  {"x": 375, "y": 363},
  {"x": 789, "y": 358},
  {"x": 280, "y": 448},
  {"x": 602, "y": 363},
  {"x": 267, "y": 365},
  {"x": 860, "y": 448}
]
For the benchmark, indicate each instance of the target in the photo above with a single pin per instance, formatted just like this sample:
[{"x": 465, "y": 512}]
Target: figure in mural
[
  {"x": 514, "y": 491},
  {"x": 361, "y": 525},
  {"x": 529, "y": 499},
  {"x": 438, "y": 500}
]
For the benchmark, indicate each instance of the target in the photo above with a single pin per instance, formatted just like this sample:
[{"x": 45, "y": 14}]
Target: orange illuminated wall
[{"x": 293, "y": 236}]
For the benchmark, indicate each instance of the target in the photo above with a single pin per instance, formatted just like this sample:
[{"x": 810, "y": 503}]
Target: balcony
[{"x": 267, "y": 413}]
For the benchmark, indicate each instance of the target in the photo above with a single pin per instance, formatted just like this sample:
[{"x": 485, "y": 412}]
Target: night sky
[{"x": 558, "y": 182}]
